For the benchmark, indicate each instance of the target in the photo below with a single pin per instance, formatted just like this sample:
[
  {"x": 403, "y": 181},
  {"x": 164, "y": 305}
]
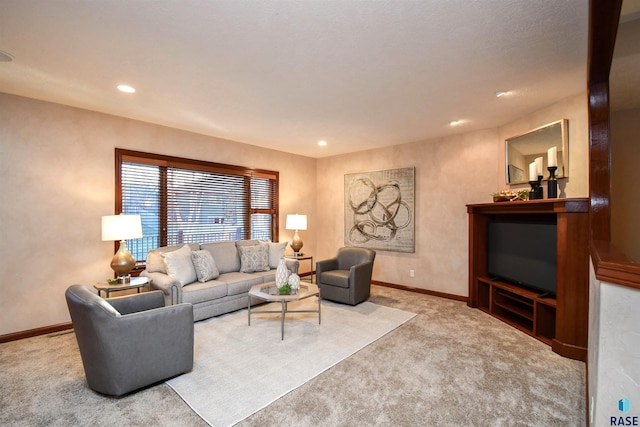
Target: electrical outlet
[{"x": 412, "y": 273}]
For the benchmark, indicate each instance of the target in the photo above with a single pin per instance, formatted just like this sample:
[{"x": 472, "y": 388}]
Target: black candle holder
[
  {"x": 535, "y": 190},
  {"x": 552, "y": 184}
]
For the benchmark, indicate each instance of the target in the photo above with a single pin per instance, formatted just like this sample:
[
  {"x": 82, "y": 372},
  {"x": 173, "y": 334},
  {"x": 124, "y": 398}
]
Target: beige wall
[
  {"x": 57, "y": 180},
  {"x": 625, "y": 176},
  {"x": 450, "y": 173}
]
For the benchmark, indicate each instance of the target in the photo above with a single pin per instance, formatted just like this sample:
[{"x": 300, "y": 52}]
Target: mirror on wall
[{"x": 521, "y": 150}]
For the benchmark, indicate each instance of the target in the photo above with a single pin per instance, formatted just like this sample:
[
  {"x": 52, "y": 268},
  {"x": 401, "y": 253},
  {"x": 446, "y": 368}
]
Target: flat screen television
[{"x": 523, "y": 253}]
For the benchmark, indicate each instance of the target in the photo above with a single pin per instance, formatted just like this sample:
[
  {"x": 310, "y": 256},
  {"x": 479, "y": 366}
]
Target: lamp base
[
  {"x": 123, "y": 262},
  {"x": 296, "y": 243}
]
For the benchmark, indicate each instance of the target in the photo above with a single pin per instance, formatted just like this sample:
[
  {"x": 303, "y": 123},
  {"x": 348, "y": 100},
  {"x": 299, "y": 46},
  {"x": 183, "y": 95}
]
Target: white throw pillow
[
  {"x": 276, "y": 251},
  {"x": 155, "y": 263},
  {"x": 205, "y": 265},
  {"x": 254, "y": 258},
  {"x": 180, "y": 266}
]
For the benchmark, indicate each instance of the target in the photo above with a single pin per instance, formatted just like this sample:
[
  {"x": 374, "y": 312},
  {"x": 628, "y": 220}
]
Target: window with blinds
[{"x": 189, "y": 201}]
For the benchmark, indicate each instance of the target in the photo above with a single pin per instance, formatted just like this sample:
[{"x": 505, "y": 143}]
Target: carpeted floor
[{"x": 448, "y": 366}]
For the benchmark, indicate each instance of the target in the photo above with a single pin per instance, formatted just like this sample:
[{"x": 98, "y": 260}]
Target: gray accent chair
[
  {"x": 130, "y": 342},
  {"x": 346, "y": 278}
]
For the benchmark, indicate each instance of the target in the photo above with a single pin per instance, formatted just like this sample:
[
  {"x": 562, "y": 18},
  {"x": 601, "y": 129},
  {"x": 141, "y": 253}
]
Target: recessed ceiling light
[
  {"x": 5, "y": 57},
  {"x": 455, "y": 122},
  {"x": 322, "y": 143},
  {"x": 126, "y": 89}
]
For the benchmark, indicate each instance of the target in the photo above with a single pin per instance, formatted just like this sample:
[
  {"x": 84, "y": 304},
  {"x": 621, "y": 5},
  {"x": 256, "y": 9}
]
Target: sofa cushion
[
  {"x": 338, "y": 278},
  {"x": 205, "y": 265},
  {"x": 180, "y": 266},
  {"x": 254, "y": 258},
  {"x": 238, "y": 283},
  {"x": 276, "y": 251},
  {"x": 197, "y": 292},
  {"x": 225, "y": 255}
]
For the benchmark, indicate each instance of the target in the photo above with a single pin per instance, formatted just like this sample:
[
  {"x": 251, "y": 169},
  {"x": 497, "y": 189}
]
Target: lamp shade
[
  {"x": 121, "y": 227},
  {"x": 296, "y": 222}
]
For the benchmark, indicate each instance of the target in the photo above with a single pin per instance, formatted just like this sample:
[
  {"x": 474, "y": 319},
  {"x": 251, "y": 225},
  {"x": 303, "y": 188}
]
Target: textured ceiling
[{"x": 286, "y": 74}]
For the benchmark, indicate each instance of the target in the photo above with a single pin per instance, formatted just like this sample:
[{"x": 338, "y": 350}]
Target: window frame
[{"x": 165, "y": 162}]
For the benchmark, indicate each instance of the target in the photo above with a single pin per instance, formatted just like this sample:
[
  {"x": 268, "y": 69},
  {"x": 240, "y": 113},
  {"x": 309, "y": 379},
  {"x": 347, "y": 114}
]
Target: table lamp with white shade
[
  {"x": 122, "y": 227},
  {"x": 296, "y": 222}
]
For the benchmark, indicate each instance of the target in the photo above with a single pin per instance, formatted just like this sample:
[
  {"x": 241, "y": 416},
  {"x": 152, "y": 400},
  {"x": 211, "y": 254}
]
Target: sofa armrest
[
  {"x": 325, "y": 265},
  {"x": 169, "y": 286},
  {"x": 137, "y": 302}
]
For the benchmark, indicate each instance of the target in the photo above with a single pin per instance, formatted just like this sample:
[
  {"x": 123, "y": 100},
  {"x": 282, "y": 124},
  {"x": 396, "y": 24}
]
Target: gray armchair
[
  {"x": 346, "y": 278},
  {"x": 132, "y": 341}
]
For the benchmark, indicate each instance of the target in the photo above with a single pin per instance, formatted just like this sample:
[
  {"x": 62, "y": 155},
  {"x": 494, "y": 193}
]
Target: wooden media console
[{"x": 561, "y": 321}]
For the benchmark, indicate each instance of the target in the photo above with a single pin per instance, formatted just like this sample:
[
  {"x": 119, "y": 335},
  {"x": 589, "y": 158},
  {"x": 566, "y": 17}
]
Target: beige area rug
[{"x": 240, "y": 369}]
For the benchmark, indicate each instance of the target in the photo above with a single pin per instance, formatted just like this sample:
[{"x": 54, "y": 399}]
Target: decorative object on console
[
  {"x": 122, "y": 227},
  {"x": 539, "y": 170},
  {"x": 282, "y": 273},
  {"x": 535, "y": 180},
  {"x": 534, "y": 193},
  {"x": 296, "y": 222},
  {"x": 552, "y": 162},
  {"x": 552, "y": 183},
  {"x": 510, "y": 195}
]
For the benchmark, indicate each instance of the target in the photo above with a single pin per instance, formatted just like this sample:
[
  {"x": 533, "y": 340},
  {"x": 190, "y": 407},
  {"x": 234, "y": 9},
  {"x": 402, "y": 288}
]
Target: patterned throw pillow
[
  {"x": 205, "y": 265},
  {"x": 254, "y": 258}
]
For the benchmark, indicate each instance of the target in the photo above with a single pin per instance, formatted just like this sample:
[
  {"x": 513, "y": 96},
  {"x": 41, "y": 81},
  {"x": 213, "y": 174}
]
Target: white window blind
[{"x": 190, "y": 201}]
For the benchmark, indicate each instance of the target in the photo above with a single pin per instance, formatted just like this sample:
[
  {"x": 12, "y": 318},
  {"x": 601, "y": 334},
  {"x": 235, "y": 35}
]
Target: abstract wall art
[{"x": 379, "y": 209}]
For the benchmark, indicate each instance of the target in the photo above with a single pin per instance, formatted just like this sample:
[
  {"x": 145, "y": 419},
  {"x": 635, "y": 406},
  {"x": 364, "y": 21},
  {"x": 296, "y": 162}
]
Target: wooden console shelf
[
  {"x": 560, "y": 322},
  {"x": 521, "y": 308}
]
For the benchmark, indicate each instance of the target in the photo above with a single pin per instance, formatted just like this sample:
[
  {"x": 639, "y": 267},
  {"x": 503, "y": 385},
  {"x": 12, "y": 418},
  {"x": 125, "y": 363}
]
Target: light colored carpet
[
  {"x": 241, "y": 369},
  {"x": 448, "y": 366}
]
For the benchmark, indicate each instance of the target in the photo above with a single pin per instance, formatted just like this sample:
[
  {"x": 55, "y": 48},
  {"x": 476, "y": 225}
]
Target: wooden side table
[
  {"x": 303, "y": 258},
  {"x": 135, "y": 283}
]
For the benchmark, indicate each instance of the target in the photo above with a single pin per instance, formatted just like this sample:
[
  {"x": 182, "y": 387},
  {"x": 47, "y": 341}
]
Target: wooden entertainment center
[{"x": 562, "y": 321}]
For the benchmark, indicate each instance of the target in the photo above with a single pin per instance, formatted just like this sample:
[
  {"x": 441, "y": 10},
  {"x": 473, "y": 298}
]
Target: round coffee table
[{"x": 269, "y": 292}]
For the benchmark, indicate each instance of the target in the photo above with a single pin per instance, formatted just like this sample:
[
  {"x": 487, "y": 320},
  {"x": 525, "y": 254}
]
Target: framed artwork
[{"x": 379, "y": 209}]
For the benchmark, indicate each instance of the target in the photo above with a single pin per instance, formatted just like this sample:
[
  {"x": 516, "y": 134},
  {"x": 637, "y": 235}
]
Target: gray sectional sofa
[{"x": 214, "y": 277}]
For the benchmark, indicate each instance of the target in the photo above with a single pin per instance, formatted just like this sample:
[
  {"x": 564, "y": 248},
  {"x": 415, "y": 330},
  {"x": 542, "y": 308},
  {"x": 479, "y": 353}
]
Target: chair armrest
[
  {"x": 152, "y": 334},
  {"x": 360, "y": 274},
  {"x": 169, "y": 286},
  {"x": 325, "y": 265},
  {"x": 137, "y": 302}
]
